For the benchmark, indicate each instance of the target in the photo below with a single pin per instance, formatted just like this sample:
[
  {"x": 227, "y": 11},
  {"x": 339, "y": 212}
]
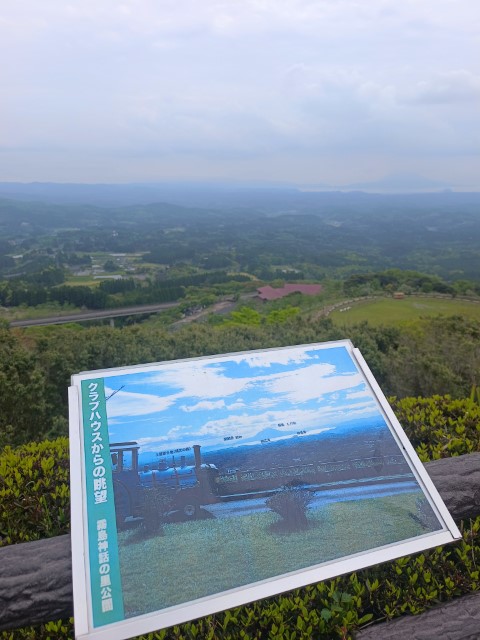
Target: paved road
[
  {"x": 235, "y": 508},
  {"x": 95, "y": 315},
  {"x": 223, "y": 307},
  {"x": 218, "y": 307}
]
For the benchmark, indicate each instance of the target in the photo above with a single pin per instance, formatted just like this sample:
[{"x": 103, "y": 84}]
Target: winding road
[
  {"x": 95, "y": 315},
  {"x": 222, "y": 306}
]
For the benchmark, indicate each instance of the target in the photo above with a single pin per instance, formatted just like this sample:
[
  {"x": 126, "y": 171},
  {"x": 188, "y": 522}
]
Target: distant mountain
[
  {"x": 113, "y": 195},
  {"x": 266, "y": 434},
  {"x": 370, "y": 422},
  {"x": 263, "y": 197},
  {"x": 269, "y": 433},
  {"x": 399, "y": 183},
  {"x": 342, "y": 429}
]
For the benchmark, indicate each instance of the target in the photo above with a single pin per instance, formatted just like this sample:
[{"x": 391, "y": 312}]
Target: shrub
[
  {"x": 155, "y": 505},
  {"x": 440, "y": 426},
  {"x": 330, "y": 610},
  {"x": 291, "y": 504},
  {"x": 34, "y": 491}
]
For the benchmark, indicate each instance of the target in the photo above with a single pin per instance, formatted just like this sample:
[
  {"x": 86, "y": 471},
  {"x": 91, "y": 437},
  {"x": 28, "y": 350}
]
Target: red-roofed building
[{"x": 269, "y": 293}]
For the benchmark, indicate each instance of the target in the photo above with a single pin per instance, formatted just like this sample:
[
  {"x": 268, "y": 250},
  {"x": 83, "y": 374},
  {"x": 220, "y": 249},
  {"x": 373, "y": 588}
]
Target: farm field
[
  {"x": 387, "y": 311},
  {"x": 197, "y": 559}
]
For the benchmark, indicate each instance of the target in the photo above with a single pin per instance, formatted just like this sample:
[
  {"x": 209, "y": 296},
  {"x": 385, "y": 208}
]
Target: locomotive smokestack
[{"x": 198, "y": 458}]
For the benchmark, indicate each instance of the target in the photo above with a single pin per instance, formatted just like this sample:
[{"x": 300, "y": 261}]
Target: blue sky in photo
[{"x": 180, "y": 404}]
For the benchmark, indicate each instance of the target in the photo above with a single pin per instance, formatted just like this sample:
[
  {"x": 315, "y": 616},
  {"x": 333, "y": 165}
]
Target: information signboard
[{"x": 202, "y": 484}]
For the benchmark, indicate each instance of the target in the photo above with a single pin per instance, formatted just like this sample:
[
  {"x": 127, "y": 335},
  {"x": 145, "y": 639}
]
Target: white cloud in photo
[
  {"x": 249, "y": 425},
  {"x": 238, "y": 404},
  {"x": 209, "y": 381},
  {"x": 368, "y": 404},
  {"x": 279, "y": 356},
  {"x": 124, "y": 404},
  {"x": 265, "y": 403},
  {"x": 150, "y": 419},
  {"x": 151, "y": 443},
  {"x": 363, "y": 393},
  {"x": 205, "y": 405},
  {"x": 204, "y": 387},
  {"x": 199, "y": 380},
  {"x": 311, "y": 383}
]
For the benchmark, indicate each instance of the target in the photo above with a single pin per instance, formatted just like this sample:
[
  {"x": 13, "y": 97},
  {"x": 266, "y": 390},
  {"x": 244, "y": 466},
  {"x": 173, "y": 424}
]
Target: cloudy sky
[
  {"x": 324, "y": 91},
  {"x": 205, "y": 401}
]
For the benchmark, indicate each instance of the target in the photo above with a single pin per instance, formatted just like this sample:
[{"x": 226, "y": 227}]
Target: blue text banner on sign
[{"x": 107, "y": 598}]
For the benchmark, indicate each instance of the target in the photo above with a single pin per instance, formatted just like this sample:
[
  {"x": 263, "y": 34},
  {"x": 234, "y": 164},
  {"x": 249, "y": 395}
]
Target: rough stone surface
[
  {"x": 36, "y": 577},
  {"x": 455, "y": 620},
  {"x": 458, "y": 482},
  {"x": 35, "y": 582}
]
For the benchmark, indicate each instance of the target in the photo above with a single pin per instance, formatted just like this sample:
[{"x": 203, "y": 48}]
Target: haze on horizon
[{"x": 292, "y": 91}]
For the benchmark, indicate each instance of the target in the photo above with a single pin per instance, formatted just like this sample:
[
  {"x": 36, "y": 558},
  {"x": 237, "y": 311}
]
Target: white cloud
[
  {"x": 149, "y": 443},
  {"x": 353, "y": 395},
  {"x": 311, "y": 383},
  {"x": 199, "y": 380},
  {"x": 239, "y": 404},
  {"x": 125, "y": 404},
  {"x": 309, "y": 419},
  {"x": 209, "y": 382},
  {"x": 279, "y": 89},
  {"x": 452, "y": 87},
  {"x": 249, "y": 425},
  {"x": 205, "y": 405},
  {"x": 265, "y": 403},
  {"x": 279, "y": 356}
]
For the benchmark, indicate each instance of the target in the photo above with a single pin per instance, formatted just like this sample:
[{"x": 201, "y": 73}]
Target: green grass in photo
[{"x": 196, "y": 559}]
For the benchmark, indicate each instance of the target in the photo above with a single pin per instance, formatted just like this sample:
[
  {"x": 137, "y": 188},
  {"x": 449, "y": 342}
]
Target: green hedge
[
  {"x": 440, "y": 426},
  {"x": 34, "y": 497},
  {"x": 34, "y": 491}
]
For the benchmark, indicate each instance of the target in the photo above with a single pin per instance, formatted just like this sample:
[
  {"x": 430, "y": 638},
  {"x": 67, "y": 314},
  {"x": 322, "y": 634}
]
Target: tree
[
  {"x": 246, "y": 316},
  {"x": 291, "y": 504},
  {"x": 110, "y": 266},
  {"x": 435, "y": 356},
  {"x": 23, "y": 406}
]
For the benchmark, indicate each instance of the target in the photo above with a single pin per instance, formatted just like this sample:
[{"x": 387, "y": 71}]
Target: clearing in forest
[{"x": 388, "y": 311}]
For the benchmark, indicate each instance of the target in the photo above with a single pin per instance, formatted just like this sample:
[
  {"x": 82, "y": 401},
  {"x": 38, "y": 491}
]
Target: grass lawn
[
  {"x": 75, "y": 281},
  {"x": 388, "y": 311},
  {"x": 196, "y": 559}
]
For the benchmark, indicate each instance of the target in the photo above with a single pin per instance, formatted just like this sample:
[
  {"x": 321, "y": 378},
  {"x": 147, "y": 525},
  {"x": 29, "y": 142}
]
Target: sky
[
  {"x": 175, "y": 405},
  {"x": 296, "y": 91}
]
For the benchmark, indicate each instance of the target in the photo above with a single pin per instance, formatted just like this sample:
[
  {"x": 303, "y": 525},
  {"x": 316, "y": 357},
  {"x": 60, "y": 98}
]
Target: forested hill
[
  {"x": 429, "y": 357},
  {"x": 316, "y": 233},
  {"x": 57, "y": 257}
]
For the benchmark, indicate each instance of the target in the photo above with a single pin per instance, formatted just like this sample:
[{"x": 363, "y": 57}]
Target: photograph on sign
[{"x": 210, "y": 482}]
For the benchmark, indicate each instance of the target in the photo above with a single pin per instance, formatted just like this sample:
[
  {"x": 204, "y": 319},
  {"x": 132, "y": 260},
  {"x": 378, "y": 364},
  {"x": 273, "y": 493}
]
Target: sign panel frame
[{"x": 332, "y": 404}]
